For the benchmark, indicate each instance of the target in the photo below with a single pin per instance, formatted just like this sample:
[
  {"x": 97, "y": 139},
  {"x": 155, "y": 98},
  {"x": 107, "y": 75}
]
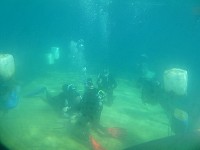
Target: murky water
[{"x": 35, "y": 125}]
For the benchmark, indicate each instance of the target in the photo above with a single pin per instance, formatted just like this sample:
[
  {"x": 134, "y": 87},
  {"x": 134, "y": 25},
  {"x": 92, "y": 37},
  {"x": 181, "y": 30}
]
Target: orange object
[
  {"x": 116, "y": 132},
  {"x": 95, "y": 144}
]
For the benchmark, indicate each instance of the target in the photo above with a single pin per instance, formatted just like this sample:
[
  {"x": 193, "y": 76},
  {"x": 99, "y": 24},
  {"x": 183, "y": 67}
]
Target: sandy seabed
[{"x": 34, "y": 125}]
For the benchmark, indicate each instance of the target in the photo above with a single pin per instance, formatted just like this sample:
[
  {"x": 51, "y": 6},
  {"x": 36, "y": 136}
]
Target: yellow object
[
  {"x": 7, "y": 66},
  {"x": 175, "y": 80},
  {"x": 180, "y": 114}
]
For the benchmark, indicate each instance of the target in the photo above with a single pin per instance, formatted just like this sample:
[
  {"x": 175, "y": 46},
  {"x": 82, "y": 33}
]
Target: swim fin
[
  {"x": 95, "y": 144},
  {"x": 115, "y": 132}
]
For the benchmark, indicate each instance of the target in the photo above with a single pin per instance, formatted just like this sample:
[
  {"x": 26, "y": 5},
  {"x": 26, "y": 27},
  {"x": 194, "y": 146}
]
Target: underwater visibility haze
[{"x": 99, "y": 74}]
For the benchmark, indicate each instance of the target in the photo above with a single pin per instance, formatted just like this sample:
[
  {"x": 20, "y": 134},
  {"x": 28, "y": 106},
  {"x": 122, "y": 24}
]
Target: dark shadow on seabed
[{"x": 188, "y": 141}]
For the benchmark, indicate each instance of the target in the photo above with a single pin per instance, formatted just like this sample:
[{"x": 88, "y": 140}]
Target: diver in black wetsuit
[
  {"x": 177, "y": 110},
  {"x": 92, "y": 104},
  {"x": 107, "y": 83},
  {"x": 147, "y": 81},
  {"x": 91, "y": 108},
  {"x": 68, "y": 100}
]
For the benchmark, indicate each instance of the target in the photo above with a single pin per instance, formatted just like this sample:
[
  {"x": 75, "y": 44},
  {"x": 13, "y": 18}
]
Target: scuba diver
[
  {"x": 107, "y": 83},
  {"x": 147, "y": 81},
  {"x": 177, "y": 110},
  {"x": 150, "y": 91},
  {"x": 9, "y": 88},
  {"x": 175, "y": 106},
  {"x": 90, "y": 111},
  {"x": 92, "y": 104},
  {"x": 9, "y": 94},
  {"x": 68, "y": 101},
  {"x": 72, "y": 99},
  {"x": 90, "y": 115}
]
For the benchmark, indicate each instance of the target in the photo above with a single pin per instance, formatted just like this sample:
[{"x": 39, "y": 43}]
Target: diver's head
[
  {"x": 89, "y": 84},
  {"x": 106, "y": 72},
  {"x": 68, "y": 87}
]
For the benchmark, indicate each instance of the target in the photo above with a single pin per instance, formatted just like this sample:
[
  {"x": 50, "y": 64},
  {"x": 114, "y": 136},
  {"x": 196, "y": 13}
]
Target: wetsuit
[
  {"x": 69, "y": 97},
  {"x": 107, "y": 84},
  {"x": 91, "y": 107}
]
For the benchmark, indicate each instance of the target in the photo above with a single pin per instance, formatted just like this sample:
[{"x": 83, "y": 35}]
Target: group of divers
[
  {"x": 84, "y": 108},
  {"x": 87, "y": 107}
]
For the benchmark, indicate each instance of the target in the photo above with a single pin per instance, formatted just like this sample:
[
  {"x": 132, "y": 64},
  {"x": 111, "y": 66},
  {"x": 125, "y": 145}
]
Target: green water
[{"x": 34, "y": 125}]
